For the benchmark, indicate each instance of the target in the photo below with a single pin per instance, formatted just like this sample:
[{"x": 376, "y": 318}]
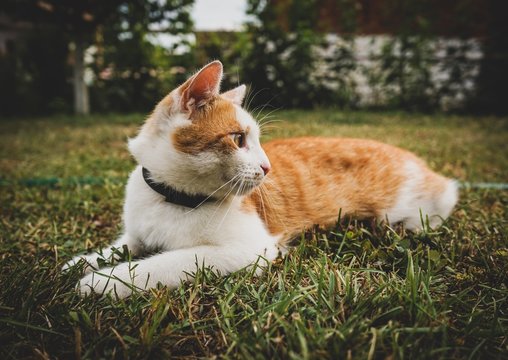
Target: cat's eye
[{"x": 238, "y": 139}]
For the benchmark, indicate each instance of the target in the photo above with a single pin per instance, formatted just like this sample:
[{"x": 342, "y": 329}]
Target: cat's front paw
[
  {"x": 87, "y": 261},
  {"x": 116, "y": 281}
]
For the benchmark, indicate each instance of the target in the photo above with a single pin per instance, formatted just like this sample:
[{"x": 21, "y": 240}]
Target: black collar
[{"x": 174, "y": 196}]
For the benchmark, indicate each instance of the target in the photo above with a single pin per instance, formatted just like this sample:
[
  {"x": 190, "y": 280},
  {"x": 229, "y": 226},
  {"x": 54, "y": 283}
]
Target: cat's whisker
[
  {"x": 267, "y": 117},
  {"x": 264, "y": 107},
  {"x": 259, "y": 189},
  {"x": 226, "y": 195},
  {"x": 238, "y": 191},
  {"x": 264, "y": 191},
  {"x": 263, "y": 125},
  {"x": 268, "y": 103},
  {"x": 269, "y": 129},
  {"x": 223, "y": 199},
  {"x": 259, "y": 106},
  {"x": 268, "y": 114},
  {"x": 268, "y": 126},
  {"x": 209, "y": 196},
  {"x": 270, "y": 121},
  {"x": 273, "y": 184},
  {"x": 251, "y": 98},
  {"x": 264, "y": 122}
]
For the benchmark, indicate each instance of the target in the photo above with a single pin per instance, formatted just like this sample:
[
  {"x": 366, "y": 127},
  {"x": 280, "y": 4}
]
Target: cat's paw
[
  {"x": 115, "y": 281},
  {"x": 87, "y": 261}
]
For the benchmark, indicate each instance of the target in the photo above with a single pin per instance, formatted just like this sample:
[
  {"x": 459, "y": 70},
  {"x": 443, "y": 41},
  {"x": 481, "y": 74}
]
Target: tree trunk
[{"x": 81, "y": 102}]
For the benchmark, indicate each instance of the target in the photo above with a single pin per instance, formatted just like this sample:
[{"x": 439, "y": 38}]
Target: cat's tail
[
  {"x": 424, "y": 197},
  {"x": 441, "y": 202}
]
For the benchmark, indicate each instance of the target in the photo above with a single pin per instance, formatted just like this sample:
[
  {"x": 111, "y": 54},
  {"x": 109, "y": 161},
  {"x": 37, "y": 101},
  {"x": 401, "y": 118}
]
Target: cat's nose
[{"x": 266, "y": 168}]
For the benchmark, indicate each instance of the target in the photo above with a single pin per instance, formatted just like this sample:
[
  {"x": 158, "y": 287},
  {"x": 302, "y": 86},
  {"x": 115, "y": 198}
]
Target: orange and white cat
[{"x": 206, "y": 192}]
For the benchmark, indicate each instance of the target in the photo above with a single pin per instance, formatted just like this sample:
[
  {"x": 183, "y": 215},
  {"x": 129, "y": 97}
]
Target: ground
[{"x": 352, "y": 292}]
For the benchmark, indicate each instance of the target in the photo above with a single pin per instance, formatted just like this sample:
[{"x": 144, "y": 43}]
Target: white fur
[
  {"x": 236, "y": 95},
  {"x": 219, "y": 234},
  {"x": 414, "y": 207}
]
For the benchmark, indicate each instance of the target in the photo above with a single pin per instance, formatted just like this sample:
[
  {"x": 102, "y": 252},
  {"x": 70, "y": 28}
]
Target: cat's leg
[
  {"x": 92, "y": 260},
  {"x": 172, "y": 267}
]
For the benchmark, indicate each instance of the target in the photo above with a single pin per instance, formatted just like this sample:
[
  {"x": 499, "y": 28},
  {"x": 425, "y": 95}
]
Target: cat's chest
[
  {"x": 159, "y": 225},
  {"x": 166, "y": 226}
]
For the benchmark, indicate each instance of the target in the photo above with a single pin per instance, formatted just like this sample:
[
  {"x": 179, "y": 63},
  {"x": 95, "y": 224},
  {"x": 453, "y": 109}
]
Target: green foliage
[
  {"x": 229, "y": 48},
  {"x": 78, "y": 19},
  {"x": 338, "y": 79},
  {"x": 33, "y": 75},
  {"x": 290, "y": 64},
  {"x": 280, "y": 62},
  {"x": 337, "y": 68},
  {"x": 128, "y": 80},
  {"x": 131, "y": 72},
  {"x": 72, "y": 21},
  {"x": 462, "y": 75},
  {"x": 284, "y": 54},
  {"x": 405, "y": 74},
  {"x": 356, "y": 290},
  {"x": 287, "y": 58}
]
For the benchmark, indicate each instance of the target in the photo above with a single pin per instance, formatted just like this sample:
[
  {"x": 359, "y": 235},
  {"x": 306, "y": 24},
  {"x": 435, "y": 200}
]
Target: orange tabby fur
[
  {"x": 210, "y": 127},
  {"x": 312, "y": 179}
]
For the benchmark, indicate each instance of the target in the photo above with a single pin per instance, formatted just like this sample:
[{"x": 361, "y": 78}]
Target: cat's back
[
  {"x": 351, "y": 164},
  {"x": 314, "y": 178},
  {"x": 332, "y": 150}
]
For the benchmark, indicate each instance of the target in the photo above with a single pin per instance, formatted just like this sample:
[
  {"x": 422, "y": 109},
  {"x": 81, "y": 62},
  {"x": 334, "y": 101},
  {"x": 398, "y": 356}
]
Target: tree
[
  {"x": 281, "y": 61},
  {"x": 80, "y": 20},
  {"x": 137, "y": 70}
]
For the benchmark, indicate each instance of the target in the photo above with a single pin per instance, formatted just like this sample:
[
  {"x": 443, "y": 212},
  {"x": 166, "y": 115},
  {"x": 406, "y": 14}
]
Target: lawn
[{"x": 351, "y": 292}]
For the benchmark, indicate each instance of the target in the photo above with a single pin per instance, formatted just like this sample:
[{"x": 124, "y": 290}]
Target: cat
[{"x": 206, "y": 193}]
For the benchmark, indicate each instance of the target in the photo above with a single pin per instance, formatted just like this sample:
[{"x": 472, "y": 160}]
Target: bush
[
  {"x": 34, "y": 74},
  {"x": 281, "y": 60}
]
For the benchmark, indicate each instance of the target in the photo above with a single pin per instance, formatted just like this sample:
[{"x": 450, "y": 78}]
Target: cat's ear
[
  {"x": 235, "y": 95},
  {"x": 202, "y": 87}
]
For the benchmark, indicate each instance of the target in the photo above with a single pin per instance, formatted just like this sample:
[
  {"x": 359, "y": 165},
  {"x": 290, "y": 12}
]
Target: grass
[{"x": 351, "y": 292}]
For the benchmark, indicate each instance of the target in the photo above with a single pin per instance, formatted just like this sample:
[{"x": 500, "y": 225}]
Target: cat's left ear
[
  {"x": 235, "y": 95},
  {"x": 202, "y": 87}
]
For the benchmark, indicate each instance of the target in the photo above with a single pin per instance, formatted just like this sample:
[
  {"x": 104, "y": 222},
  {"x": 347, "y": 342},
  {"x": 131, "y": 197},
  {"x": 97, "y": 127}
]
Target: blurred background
[
  {"x": 429, "y": 76},
  {"x": 64, "y": 56}
]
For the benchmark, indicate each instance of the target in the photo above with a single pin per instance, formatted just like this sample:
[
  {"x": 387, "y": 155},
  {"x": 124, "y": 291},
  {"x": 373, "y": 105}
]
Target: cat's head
[{"x": 199, "y": 140}]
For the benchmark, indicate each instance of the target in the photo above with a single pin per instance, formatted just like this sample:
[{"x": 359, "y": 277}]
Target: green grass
[{"x": 352, "y": 292}]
